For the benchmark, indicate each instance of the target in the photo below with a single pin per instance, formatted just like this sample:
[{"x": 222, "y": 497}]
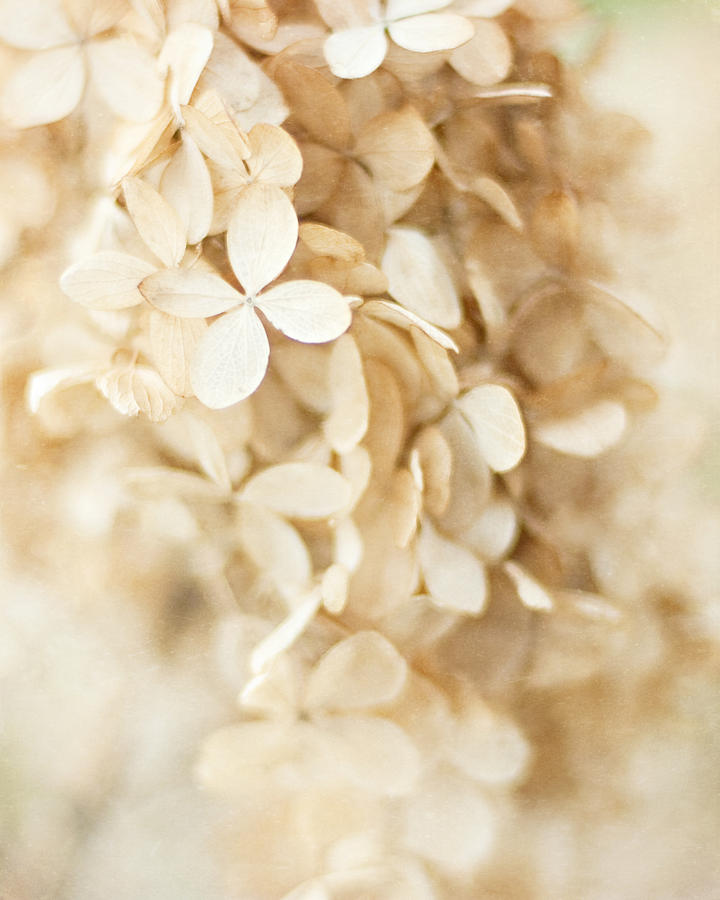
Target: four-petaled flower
[{"x": 232, "y": 356}]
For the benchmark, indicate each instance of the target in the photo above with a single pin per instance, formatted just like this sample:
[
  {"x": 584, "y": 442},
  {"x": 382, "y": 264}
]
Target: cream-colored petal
[
  {"x": 274, "y": 156},
  {"x": 431, "y": 32},
  {"x": 531, "y": 592},
  {"x": 362, "y": 671},
  {"x": 190, "y": 293},
  {"x": 126, "y": 76},
  {"x": 35, "y": 24},
  {"x": 486, "y": 58},
  {"x": 403, "y": 9},
  {"x": 397, "y": 147},
  {"x": 497, "y": 422},
  {"x": 275, "y": 546},
  {"x": 307, "y": 311},
  {"x": 347, "y": 423},
  {"x": 300, "y": 490},
  {"x": 184, "y": 55},
  {"x": 186, "y": 185},
  {"x": 343, "y": 14},
  {"x": 418, "y": 278},
  {"x": 373, "y": 754},
  {"x": 587, "y": 433},
  {"x": 287, "y": 632},
  {"x": 405, "y": 318},
  {"x": 45, "y": 87},
  {"x": 231, "y": 359},
  {"x": 356, "y": 52},
  {"x": 138, "y": 389},
  {"x": 173, "y": 344},
  {"x": 261, "y": 236},
  {"x": 329, "y": 242},
  {"x": 454, "y": 576},
  {"x": 225, "y": 146},
  {"x": 482, "y": 9},
  {"x": 106, "y": 280},
  {"x": 158, "y": 224}
]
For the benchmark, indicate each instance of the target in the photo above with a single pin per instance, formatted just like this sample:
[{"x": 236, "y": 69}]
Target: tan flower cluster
[{"x": 352, "y": 261}]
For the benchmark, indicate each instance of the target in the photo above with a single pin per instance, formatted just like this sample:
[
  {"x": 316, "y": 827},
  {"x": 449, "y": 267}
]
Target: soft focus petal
[
  {"x": 190, "y": 293},
  {"x": 107, "y": 280},
  {"x": 187, "y": 187},
  {"x": 497, "y": 422},
  {"x": 274, "y": 156},
  {"x": 46, "y": 87},
  {"x": 35, "y": 24},
  {"x": 126, "y": 77},
  {"x": 299, "y": 489},
  {"x": 231, "y": 360},
  {"x": 454, "y": 576},
  {"x": 158, "y": 224}
]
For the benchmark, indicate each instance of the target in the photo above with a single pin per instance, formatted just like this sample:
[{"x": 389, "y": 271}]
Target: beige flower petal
[
  {"x": 435, "y": 460},
  {"x": 373, "y": 754},
  {"x": 106, "y": 280},
  {"x": 35, "y": 24},
  {"x": 274, "y": 546},
  {"x": 138, "y": 389},
  {"x": 206, "y": 449},
  {"x": 45, "y": 87},
  {"x": 225, "y": 146},
  {"x": 455, "y": 578},
  {"x": 486, "y": 58},
  {"x": 482, "y": 8},
  {"x": 418, "y": 279},
  {"x": 531, "y": 592},
  {"x": 328, "y": 242},
  {"x": 173, "y": 344},
  {"x": 437, "y": 363},
  {"x": 190, "y": 293},
  {"x": 450, "y": 823},
  {"x": 125, "y": 75},
  {"x": 158, "y": 224},
  {"x": 231, "y": 359},
  {"x": 46, "y": 381},
  {"x": 434, "y": 31},
  {"x": 356, "y": 52},
  {"x": 287, "y": 632},
  {"x": 362, "y": 671},
  {"x": 184, "y": 55},
  {"x": 334, "y": 588},
  {"x": 397, "y": 147},
  {"x": 404, "y": 318},
  {"x": 347, "y": 423},
  {"x": 495, "y": 418},
  {"x": 311, "y": 890},
  {"x": 186, "y": 185},
  {"x": 261, "y": 236},
  {"x": 588, "y": 433},
  {"x": 299, "y": 490},
  {"x": 403, "y": 9},
  {"x": 486, "y": 746},
  {"x": 343, "y": 14},
  {"x": 307, "y": 311},
  {"x": 274, "y": 156}
]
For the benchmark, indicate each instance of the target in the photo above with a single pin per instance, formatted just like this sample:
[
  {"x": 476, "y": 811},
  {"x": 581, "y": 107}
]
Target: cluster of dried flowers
[{"x": 350, "y": 263}]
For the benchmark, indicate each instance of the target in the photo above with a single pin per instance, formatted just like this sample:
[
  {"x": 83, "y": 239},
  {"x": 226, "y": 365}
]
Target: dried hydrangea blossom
[{"x": 384, "y": 492}]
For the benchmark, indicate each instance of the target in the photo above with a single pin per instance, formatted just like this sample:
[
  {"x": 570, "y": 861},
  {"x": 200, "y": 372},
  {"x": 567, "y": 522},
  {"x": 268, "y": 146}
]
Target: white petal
[
  {"x": 403, "y": 9},
  {"x": 374, "y": 754},
  {"x": 45, "y": 87},
  {"x": 418, "y": 279},
  {"x": 342, "y": 14},
  {"x": 190, "y": 293},
  {"x": 435, "y": 31},
  {"x": 34, "y": 24},
  {"x": 106, "y": 280},
  {"x": 46, "y": 381},
  {"x": 531, "y": 593},
  {"x": 284, "y": 636},
  {"x": 275, "y": 157},
  {"x": 261, "y": 236},
  {"x": 299, "y": 489},
  {"x": 173, "y": 344},
  {"x": 450, "y": 822},
  {"x": 186, "y": 185},
  {"x": 126, "y": 77},
  {"x": 307, "y": 311},
  {"x": 486, "y": 746},
  {"x": 588, "y": 433},
  {"x": 454, "y": 576},
  {"x": 486, "y": 58},
  {"x": 347, "y": 423},
  {"x": 185, "y": 53},
  {"x": 274, "y": 546},
  {"x": 223, "y": 145},
  {"x": 356, "y": 52},
  {"x": 136, "y": 389},
  {"x": 404, "y": 318},
  {"x": 495, "y": 418},
  {"x": 231, "y": 360},
  {"x": 158, "y": 224},
  {"x": 362, "y": 671}
]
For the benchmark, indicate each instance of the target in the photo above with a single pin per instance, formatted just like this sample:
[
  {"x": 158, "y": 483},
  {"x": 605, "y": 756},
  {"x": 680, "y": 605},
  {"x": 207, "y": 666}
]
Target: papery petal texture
[{"x": 307, "y": 311}]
